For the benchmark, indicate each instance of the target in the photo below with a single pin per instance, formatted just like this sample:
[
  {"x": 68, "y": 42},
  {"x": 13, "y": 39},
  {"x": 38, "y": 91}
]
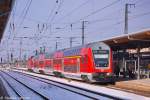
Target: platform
[
  {"x": 96, "y": 88},
  {"x": 142, "y": 86}
]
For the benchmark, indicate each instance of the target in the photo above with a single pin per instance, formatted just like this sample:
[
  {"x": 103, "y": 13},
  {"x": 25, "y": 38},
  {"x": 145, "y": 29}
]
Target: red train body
[{"x": 91, "y": 62}]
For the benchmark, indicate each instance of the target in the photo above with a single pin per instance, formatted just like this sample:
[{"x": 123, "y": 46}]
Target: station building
[{"x": 131, "y": 52}]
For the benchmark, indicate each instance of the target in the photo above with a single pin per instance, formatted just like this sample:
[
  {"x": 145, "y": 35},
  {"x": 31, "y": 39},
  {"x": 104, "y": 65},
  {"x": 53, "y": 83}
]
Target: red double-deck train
[{"x": 91, "y": 62}]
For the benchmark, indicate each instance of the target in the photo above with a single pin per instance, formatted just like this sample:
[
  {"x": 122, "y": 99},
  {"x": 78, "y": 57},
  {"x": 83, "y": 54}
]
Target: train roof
[{"x": 85, "y": 46}]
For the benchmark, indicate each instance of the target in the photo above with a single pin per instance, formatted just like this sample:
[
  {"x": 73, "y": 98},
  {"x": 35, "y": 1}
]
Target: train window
[
  {"x": 48, "y": 67},
  {"x": 70, "y": 68},
  {"x": 72, "y": 52},
  {"x": 101, "y": 58},
  {"x": 57, "y": 61},
  {"x": 41, "y": 62}
]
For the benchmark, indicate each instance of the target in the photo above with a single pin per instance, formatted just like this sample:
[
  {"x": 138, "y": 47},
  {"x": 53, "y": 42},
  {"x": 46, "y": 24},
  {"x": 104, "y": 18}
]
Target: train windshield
[{"x": 101, "y": 58}]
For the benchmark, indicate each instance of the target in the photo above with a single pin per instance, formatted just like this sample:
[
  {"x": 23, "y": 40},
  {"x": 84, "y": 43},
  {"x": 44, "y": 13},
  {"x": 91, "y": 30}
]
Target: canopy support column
[
  {"x": 138, "y": 62},
  {"x": 123, "y": 60}
]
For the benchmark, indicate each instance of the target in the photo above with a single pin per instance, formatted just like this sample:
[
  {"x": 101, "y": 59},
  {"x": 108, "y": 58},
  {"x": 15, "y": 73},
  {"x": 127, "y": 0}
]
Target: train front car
[
  {"x": 102, "y": 62},
  {"x": 91, "y": 62}
]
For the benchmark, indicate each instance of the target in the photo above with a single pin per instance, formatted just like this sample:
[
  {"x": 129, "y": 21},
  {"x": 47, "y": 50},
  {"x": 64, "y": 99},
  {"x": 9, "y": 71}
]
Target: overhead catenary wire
[
  {"x": 122, "y": 21},
  {"x": 97, "y": 11},
  {"x": 94, "y": 12},
  {"x": 142, "y": 2},
  {"x": 98, "y": 20},
  {"x": 118, "y": 22},
  {"x": 73, "y": 10},
  {"x": 50, "y": 15},
  {"x": 12, "y": 22},
  {"x": 90, "y": 21},
  {"x": 141, "y": 14},
  {"x": 103, "y": 20},
  {"x": 66, "y": 14},
  {"x": 23, "y": 14},
  {"x": 56, "y": 12},
  {"x": 51, "y": 12},
  {"x": 38, "y": 21},
  {"x": 25, "y": 11}
]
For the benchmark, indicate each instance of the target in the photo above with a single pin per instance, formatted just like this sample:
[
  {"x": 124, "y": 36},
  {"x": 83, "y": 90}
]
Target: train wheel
[
  {"x": 58, "y": 74},
  {"x": 30, "y": 70},
  {"x": 41, "y": 71},
  {"x": 85, "y": 78}
]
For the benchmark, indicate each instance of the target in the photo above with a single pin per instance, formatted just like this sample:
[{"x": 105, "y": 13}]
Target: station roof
[
  {"x": 130, "y": 41},
  {"x": 5, "y": 9}
]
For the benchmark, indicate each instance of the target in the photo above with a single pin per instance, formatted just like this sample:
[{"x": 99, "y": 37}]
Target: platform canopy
[
  {"x": 139, "y": 39},
  {"x": 5, "y": 9}
]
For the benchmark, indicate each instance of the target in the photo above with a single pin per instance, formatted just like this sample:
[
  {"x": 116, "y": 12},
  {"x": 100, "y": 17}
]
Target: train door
[
  {"x": 62, "y": 64},
  {"x": 57, "y": 63},
  {"x": 78, "y": 65},
  {"x": 48, "y": 64},
  {"x": 84, "y": 64}
]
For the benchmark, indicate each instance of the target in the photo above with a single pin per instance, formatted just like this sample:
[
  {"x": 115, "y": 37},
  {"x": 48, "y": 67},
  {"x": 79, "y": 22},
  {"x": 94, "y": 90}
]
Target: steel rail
[
  {"x": 49, "y": 81},
  {"x": 15, "y": 91},
  {"x": 34, "y": 91}
]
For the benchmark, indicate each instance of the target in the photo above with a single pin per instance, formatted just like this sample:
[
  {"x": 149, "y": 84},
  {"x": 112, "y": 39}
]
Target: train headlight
[{"x": 108, "y": 74}]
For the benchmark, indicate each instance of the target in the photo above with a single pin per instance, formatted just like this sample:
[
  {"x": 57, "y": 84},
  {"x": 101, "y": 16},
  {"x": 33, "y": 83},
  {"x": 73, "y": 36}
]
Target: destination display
[{"x": 100, "y": 51}]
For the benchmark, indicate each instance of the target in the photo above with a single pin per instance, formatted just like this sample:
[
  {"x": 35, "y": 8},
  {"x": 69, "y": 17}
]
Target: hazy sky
[{"x": 41, "y": 21}]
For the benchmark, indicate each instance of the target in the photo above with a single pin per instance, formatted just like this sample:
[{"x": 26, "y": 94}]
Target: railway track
[
  {"x": 17, "y": 87},
  {"x": 81, "y": 91},
  {"x": 109, "y": 86},
  {"x": 91, "y": 95}
]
